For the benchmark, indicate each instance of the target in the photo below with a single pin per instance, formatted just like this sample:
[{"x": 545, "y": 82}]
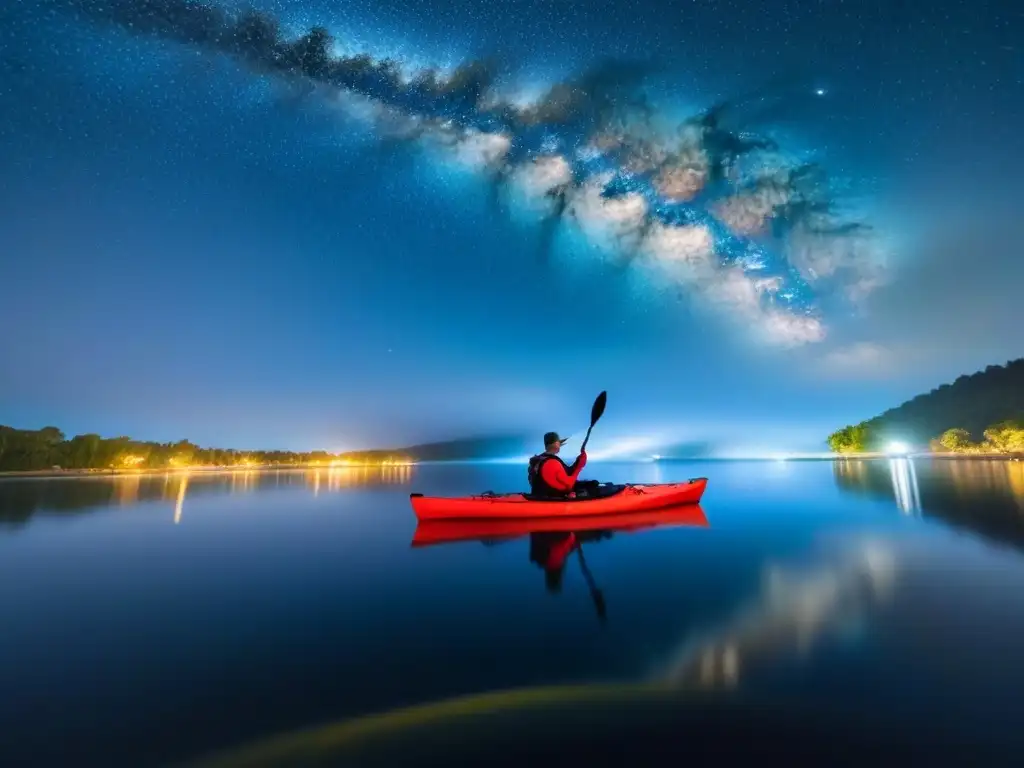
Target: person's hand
[{"x": 582, "y": 458}]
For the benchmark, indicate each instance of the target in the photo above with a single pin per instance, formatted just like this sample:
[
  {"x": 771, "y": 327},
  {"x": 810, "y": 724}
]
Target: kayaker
[{"x": 550, "y": 477}]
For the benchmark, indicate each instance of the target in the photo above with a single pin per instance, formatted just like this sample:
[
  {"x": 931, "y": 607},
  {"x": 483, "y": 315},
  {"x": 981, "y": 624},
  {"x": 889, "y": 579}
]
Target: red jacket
[{"x": 553, "y": 473}]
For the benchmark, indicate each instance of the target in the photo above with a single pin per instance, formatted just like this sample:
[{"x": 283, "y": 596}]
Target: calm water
[{"x": 152, "y": 620}]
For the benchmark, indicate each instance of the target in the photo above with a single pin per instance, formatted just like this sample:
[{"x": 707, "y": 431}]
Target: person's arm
[
  {"x": 579, "y": 464},
  {"x": 555, "y": 476}
]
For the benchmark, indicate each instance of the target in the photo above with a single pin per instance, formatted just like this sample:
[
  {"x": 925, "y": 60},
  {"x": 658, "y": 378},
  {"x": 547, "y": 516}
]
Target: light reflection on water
[
  {"x": 902, "y": 475},
  {"x": 797, "y": 607},
  {"x": 180, "y": 501},
  {"x": 21, "y": 498},
  {"x": 329, "y": 480},
  {"x": 986, "y": 496},
  {"x": 904, "y": 485}
]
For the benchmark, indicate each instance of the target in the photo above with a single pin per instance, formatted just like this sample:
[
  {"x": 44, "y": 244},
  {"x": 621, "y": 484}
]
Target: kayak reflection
[
  {"x": 446, "y": 531},
  {"x": 551, "y": 551},
  {"x": 554, "y": 540}
]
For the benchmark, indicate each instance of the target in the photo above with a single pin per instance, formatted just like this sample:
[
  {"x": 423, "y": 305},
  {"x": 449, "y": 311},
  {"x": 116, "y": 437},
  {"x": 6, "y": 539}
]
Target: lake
[{"x": 154, "y": 620}]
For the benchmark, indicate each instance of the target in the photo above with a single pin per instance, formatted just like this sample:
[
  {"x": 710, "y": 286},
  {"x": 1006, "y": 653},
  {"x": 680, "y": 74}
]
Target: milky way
[{"x": 703, "y": 204}]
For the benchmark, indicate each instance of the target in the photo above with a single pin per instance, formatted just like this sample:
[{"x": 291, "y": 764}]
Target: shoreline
[
  {"x": 852, "y": 456},
  {"x": 112, "y": 472},
  {"x": 941, "y": 456}
]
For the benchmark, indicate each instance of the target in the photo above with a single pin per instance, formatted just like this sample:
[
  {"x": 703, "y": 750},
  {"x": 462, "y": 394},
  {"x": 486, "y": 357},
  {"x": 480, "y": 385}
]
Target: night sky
[{"x": 749, "y": 222}]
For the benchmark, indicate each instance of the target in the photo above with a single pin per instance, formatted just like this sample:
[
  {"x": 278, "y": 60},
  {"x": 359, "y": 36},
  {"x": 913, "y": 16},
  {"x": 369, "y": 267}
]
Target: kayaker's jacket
[
  {"x": 549, "y": 550},
  {"x": 551, "y": 477}
]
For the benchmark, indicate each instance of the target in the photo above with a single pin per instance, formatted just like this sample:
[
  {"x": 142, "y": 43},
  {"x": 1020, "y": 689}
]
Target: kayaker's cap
[{"x": 550, "y": 438}]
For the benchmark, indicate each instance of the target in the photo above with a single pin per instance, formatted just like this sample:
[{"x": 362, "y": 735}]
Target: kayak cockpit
[{"x": 604, "y": 491}]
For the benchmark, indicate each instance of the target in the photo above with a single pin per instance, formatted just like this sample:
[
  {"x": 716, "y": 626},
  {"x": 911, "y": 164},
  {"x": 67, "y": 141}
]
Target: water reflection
[
  {"x": 447, "y": 531},
  {"x": 21, "y": 499},
  {"x": 901, "y": 481},
  {"x": 985, "y": 496},
  {"x": 553, "y": 540},
  {"x": 796, "y": 608},
  {"x": 904, "y": 485},
  {"x": 550, "y": 551},
  {"x": 180, "y": 501},
  {"x": 798, "y": 605},
  {"x": 126, "y": 492}
]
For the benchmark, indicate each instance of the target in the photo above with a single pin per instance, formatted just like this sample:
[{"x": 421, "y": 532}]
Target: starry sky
[{"x": 323, "y": 224}]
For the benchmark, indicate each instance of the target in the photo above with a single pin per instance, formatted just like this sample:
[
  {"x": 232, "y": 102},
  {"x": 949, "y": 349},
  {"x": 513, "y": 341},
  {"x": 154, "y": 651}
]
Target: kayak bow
[{"x": 626, "y": 498}]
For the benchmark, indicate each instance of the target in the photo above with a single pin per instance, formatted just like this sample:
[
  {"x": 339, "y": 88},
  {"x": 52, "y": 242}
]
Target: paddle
[
  {"x": 596, "y": 412},
  {"x": 595, "y": 593}
]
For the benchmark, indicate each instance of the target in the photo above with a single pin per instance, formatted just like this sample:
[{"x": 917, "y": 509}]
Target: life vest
[{"x": 537, "y": 485}]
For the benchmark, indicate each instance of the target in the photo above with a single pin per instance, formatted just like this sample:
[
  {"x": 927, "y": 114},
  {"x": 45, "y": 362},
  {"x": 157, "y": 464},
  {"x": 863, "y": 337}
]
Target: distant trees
[
  {"x": 849, "y": 439},
  {"x": 28, "y": 450},
  {"x": 36, "y": 448},
  {"x": 955, "y": 440},
  {"x": 988, "y": 405},
  {"x": 1005, "y": 437}
]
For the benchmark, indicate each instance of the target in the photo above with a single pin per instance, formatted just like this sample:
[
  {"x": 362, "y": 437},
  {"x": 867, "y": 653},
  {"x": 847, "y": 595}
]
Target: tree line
[
  {"x": 46, "y": 448},
  {"x": 980, "y": 413}
]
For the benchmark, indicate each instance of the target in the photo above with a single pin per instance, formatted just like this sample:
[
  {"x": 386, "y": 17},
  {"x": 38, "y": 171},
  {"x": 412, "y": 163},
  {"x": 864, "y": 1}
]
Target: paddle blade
[{"x": 598, "y": 410}]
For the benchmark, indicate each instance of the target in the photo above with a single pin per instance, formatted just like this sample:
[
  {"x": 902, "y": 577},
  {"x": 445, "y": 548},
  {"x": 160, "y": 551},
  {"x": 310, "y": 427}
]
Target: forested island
[
  {"x": 978, "y": 414},
  {"x": 27, "y": 450}
]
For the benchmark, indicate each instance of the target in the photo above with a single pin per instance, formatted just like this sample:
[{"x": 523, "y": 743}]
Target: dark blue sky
[{"x": 195, "y": 243}]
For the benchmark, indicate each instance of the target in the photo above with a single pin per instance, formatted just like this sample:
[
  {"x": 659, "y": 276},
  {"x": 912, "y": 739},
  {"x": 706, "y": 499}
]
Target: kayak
[
  {"x": 609, "y": 501},
  {"x": 447, "y": 530}
]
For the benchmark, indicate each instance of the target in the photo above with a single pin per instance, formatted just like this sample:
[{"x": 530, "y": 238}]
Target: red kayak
[
  {"x": 611, "y": 500},
  {"x": 447, "y": 530}
]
